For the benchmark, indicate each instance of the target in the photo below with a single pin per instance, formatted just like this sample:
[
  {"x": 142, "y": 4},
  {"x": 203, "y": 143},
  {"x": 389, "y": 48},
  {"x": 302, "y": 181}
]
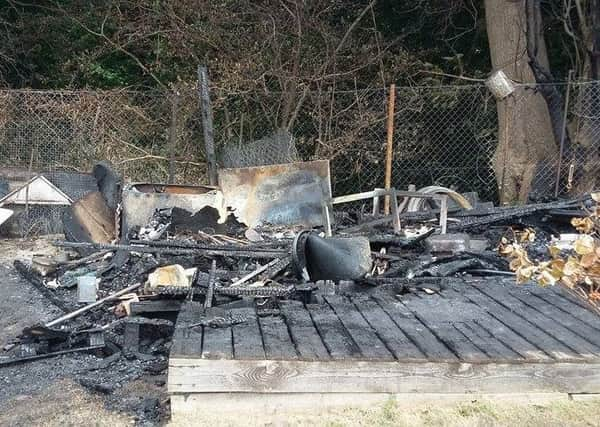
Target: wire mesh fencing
[{"x": 442, "y": 135}]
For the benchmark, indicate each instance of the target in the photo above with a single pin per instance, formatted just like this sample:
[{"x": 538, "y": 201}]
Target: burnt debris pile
[{"x": 133, "y": 254}]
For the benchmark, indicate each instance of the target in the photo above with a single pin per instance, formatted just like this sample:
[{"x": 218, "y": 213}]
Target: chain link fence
[{"x": 443, "y": 135}]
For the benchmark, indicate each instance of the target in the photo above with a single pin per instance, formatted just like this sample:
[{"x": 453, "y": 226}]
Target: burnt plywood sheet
[
  {"x": 286, "y": 194},
  {"x": 95, "y": 218}
]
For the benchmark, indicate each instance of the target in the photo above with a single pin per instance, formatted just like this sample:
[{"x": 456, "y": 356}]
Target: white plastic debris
[
  {"x": 5, "y": 214},
  {"x": 170, "y": 275}
]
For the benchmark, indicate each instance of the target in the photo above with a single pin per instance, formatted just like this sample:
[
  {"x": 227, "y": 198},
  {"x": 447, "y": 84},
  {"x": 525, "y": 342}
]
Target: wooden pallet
[{"x": 478, "y": 336}]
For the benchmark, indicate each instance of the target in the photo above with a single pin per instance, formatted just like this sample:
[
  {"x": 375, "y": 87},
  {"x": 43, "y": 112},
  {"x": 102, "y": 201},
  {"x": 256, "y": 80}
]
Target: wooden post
[
  {"x": 562, "y": 135},
  {"x": 395, "y": 213},
  {"x": 390, "y": 146},
  {"x": 173, "y": 136},
  {"x": 444, "y": 214},
  {"x": 326, "y": 217},
  {"x": 207, "y": 124}
]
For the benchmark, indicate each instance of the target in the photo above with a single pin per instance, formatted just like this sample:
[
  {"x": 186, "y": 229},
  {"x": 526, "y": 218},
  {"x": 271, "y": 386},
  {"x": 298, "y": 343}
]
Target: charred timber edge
[
  {"x": 14, "y": 361},
  {"x": 185, "y": 245},
  {"x": 239, "y": 252}
]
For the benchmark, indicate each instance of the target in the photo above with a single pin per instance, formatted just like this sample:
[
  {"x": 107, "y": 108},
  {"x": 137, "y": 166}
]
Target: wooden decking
[{"x": 474, "y": 336}]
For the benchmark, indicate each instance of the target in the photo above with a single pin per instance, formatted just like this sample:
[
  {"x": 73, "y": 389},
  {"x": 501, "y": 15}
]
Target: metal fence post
[{"x": 207, "y": 124}]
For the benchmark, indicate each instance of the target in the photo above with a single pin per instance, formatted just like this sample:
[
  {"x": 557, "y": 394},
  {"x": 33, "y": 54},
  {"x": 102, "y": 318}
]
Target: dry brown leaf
[
  {"x": 546, "y": 278},
  {"x": 583, "y": 225},
  {"x": 596, "y": 197},
  {"x": 525, "y": 274},
  {"x": 527, "y": 235},
  {"x": 594, "y": 296},
  {"x": 588, "y": 260},
  {"x": 571, "y": 267},
  {"x": 554, "y": 251},
  {"x": 584, "y": 244}
]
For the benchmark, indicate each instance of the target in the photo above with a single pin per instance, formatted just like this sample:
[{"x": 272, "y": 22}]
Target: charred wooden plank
[
  {"x": 337, "y": 340},
  {"x": 187, "y": 342},
  {"x": 362, "y": 333},
  {"x": 276, "y": 338},
  {"x": 520, "y": 325},
  {"x": 247, "y": 339},
  {"x": 395, "y": 340},
  {"x": 427, "y": 342},
  {"x": 565, "y": 319},
  {"x": 154, "y": 306},
  {"x": 303, "y": 331},
  {"x": 502, "y": 333},
  {"x": 551, "y": 326}
]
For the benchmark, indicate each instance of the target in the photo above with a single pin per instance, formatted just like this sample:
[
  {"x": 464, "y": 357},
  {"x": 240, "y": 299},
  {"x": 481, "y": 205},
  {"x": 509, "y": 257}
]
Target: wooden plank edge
[
  {"x": 228, "y": 376},
  {"x": 201, "y": 406}
]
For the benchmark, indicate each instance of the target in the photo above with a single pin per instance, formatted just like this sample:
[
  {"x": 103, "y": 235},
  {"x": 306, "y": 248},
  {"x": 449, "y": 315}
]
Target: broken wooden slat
[
  {"x": 154, "y": 306},
  {"x": 131, "y": 337}
]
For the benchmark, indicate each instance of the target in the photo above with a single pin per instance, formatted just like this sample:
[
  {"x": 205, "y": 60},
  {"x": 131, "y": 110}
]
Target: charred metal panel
[
  {"x": 286, "y": 194},
  {"x": 141, "y": 200}
]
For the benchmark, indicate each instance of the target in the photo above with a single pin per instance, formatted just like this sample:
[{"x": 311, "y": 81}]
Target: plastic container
[
  {"x": 500, "y": 85},
  {"x": 86, "y": 288}
]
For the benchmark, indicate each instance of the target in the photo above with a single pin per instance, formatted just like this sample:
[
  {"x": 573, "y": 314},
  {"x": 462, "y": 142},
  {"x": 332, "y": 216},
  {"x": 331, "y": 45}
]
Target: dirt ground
[{"x": 50, "y": 392}]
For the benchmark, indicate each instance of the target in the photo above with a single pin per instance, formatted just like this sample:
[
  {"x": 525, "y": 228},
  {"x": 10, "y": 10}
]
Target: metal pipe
[{"x": 90, "y": 306}]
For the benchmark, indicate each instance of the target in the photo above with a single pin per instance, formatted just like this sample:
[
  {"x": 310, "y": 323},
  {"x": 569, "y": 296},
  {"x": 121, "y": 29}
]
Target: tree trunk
[
  {"x": 587, "y": 111},
  {"x": 525, "y": 137}
]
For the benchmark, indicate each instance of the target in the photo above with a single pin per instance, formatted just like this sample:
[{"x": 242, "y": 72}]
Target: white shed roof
[{"x": 37, "y": 191}]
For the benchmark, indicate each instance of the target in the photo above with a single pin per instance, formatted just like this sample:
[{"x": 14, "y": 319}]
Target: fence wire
[{"x": 443, "y": 135}]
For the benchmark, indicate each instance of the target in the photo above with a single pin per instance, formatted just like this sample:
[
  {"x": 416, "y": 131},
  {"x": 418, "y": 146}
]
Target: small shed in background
[{"x": 39, "y": 200}]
